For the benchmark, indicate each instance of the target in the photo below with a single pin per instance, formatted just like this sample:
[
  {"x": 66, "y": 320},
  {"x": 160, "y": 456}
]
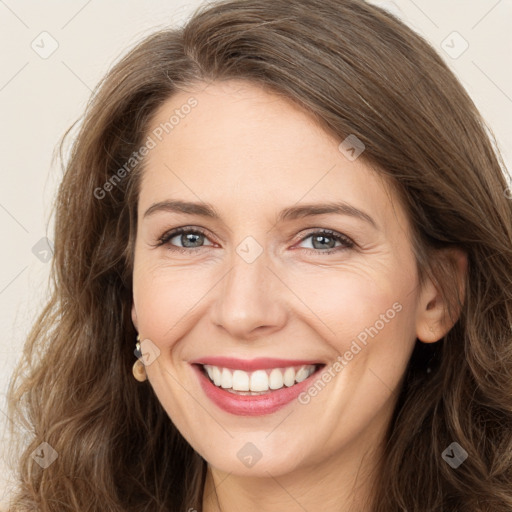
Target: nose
[{"x": 250, "y": 300}]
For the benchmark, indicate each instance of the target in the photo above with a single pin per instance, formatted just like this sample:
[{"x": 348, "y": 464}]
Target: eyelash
[{"x": 166, "y": 237}]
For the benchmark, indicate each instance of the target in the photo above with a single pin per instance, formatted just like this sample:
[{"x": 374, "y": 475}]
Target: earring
[{"x": 139, "y": 371}]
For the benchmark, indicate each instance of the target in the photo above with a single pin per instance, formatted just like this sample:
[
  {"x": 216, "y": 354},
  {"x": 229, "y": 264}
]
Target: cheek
[
  {"x": 366, "y": 315},
  {"x": 345, "y": 300},
  {"x": 168, "y": 298}
]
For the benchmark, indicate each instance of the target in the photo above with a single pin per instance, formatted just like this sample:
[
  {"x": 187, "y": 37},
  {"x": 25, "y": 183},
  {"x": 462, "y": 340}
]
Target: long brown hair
[{"x": 357, "y": 70}]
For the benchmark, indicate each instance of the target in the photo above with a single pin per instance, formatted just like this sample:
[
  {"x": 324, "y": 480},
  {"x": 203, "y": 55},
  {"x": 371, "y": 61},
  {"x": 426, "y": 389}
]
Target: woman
[{"x": 293, "y": 214}]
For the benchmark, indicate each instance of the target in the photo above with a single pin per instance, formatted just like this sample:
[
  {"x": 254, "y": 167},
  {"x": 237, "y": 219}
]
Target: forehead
[
  {"x": 243, "y": 145},
  {"x": 234, "y": 117}
]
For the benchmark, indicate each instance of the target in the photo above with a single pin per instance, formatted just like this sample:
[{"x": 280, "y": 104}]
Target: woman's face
[{"x": 253, "y": 279}]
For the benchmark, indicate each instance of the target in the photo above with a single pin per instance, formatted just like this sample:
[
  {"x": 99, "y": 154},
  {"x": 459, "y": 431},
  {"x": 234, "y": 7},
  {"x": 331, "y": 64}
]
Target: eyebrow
[{"x": 287, "y": 214}]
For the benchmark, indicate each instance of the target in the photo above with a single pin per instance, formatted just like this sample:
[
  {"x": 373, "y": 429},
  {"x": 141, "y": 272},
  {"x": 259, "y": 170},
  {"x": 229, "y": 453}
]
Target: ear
[
  {"x": 432, "y": 319},
  {"x": 134, "y": 317}
]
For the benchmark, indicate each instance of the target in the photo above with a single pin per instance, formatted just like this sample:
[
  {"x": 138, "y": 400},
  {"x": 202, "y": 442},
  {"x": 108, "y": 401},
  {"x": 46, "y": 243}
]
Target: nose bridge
[
  {"x": 249, "y": 297},
  {"x": 246, "y": 280}
]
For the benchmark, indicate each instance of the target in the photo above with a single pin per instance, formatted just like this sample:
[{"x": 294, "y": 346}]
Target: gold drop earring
[{"x": 139, "y": 370}]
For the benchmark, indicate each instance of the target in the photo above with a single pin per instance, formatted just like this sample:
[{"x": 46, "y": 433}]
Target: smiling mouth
[{"x": 258, "y": 382}]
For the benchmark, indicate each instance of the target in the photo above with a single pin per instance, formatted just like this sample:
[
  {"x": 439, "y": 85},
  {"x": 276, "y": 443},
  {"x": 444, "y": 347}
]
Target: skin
[{"x": 249, "y": 154}]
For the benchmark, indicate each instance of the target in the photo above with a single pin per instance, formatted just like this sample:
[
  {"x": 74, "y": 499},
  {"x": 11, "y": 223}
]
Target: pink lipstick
[{"x": 246, "y": 404}]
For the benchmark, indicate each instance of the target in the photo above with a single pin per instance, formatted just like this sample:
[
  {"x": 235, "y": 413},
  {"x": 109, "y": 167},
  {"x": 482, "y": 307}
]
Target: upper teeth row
[{"x": 259, "y": 380}]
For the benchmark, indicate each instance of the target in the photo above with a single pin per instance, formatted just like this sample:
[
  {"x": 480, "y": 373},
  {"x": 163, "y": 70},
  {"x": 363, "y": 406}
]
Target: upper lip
[{"x": 261, "y": 363}]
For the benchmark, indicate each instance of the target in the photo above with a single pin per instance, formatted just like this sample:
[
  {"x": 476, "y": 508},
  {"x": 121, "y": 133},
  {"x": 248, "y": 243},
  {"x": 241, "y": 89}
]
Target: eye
[
  {"x": 189, "y": 238},
  {"x": 325, "y": 240}
]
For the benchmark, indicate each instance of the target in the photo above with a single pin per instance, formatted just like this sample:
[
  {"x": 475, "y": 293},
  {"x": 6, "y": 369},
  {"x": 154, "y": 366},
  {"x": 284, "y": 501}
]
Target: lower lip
[{"x": 255, "y": 405}]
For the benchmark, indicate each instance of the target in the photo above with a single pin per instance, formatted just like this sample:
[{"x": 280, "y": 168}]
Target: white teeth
[
  {"x": 216, "y": 376},
  {"x": 259, "y": 380},
  {"x": 275, "y": 380},
  {"x": 301, "y": 375},
  {"x": 240, "y": 381},
  {"x": 289, "y": 377},
  {"x": 226, "y": 379}
]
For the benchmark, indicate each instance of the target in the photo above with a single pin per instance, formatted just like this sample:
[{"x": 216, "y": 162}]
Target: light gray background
[{"x": 41, "y": 97}]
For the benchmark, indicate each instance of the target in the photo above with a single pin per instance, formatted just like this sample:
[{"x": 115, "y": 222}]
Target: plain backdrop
[{"x": 54, "y": 52}]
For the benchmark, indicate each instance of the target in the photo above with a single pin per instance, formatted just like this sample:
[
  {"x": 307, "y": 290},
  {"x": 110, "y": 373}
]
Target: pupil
[
  {"x": 323, "y": 237},
  {"x": 185, "y": 239}
]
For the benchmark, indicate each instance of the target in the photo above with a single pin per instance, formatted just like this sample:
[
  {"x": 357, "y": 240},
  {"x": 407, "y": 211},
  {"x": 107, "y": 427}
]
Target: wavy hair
[{"x": 357, "y": 70}]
